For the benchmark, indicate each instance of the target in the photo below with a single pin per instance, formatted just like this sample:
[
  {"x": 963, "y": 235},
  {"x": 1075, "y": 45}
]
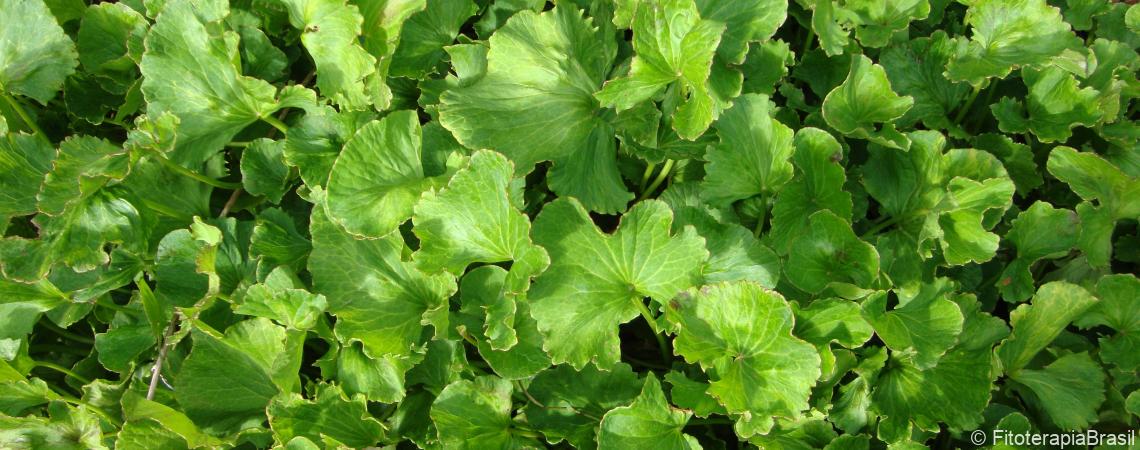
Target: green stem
[
  {"x": 192, "y": 174},
  {"x": 238, "y": 144},
  {"x": 519, "y": 430},
  {"x": 711, "y": 421},
  {"x": 67, "y": 334},
  {"x": 661, "y": 176},
  {"x": 809, "y": 39},
  {"x": 649, "y": 364},
  {"x": 645, "y": 176},
  {"x": 648, "y": 316},
  {"x": 880, "y": 226},
  {"x": 966, "y": 107},
  {"x": 763, "y": 217},
  {"x": 470, "y": 340},
  {"x": 47, "y": 348},
  {"x": 63, "y": 370},
  {"x": 278, "y": 124},
  {"x": 26, "y": 118}
]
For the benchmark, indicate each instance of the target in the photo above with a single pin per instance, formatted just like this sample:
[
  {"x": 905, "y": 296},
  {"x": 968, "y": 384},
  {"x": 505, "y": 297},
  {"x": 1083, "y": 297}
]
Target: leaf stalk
[{"x": 26, "y": 118}]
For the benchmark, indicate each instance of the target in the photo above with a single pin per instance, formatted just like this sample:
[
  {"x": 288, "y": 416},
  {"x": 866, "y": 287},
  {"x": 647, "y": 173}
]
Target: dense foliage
[{"x": 602, "y": 224}]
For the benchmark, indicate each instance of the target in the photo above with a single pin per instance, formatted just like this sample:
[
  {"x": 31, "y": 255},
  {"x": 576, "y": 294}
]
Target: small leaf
[{"x": 649, "y": 422}]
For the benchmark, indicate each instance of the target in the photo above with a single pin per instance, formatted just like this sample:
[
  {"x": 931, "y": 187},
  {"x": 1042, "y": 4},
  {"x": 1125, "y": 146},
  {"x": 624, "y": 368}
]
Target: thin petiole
[
  {"x": 63, "y": 370},
  {"x": 192, "y": 174},
  {"x": 26, "y": 118},
  {"x": 277, "y": 123},
  {"x": 661, "y": 176},
  {"x": 648, "y": 316}
]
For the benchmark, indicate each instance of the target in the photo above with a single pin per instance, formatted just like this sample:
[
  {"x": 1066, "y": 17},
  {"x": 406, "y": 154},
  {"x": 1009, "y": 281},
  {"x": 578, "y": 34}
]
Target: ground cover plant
[{"x": 842, "y": 224}]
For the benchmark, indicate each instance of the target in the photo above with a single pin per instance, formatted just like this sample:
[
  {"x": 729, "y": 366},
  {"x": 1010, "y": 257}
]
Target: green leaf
[
  {"x": 571, "y": 404},
  {"x": 879, "y": 20},
  {"x": 24, "y": 160},
  {"x": 952, "y": 199},
  {"x": 649, "y": 422},
  {"x": 766, "y": 65},
  {"x": 18, "y": 396},
  {"x": 1055, "y": 106},
  {"x": 263, "y": 169},
  {"x": 1116, "y": 310},
  {"x": 120, "y": 345},
  {"x": 67, "y": 428},
  {"x": 863, "y": 100},
  {"x": 1069, "y": 389},
  {"x": 260, "y": 58},
  {"x": 1040, "y": 232},
  {"x": 915, "y": 70},
  {"x": 673, "y": 44},
  {"x": 1093, "y": 178},
  {"x": 477, "y": 414},
  {"x": 745, "y": 22},
  {"x": 189, "y": 70},
  {"x": 832, "y": 320},
  {"x": 294, "y": 308},
  {"x": 383, "y": 22},
  {"x": 1007, "y": 34},
  {"x": 752, "y": 156},
  {"x": 472, "y": 220},
  {"x": 527, "y": 92},
  {"x": 81, "y": 168},
  {"x": 817, "y": 186},
  {"x": 579, "y": 302},
  {"x": 277, "y": 242},
  {"x": 79, "y": 236},
  {"x": 493, "y": 318},
  {"x": 925, "y": 323},
  {"x": 330, "y": 31},
  {"x": 313, "y": 143},
  {"x": 184, "y": 265},
  {"x": 330, "y": 414},
  {"x": 741, "y": 335},
  {"x": 224, "y": 386},
  {"x": 829, "y": 254},
  {"x": 960, "y": 384},
  {"x": 378, "y": 178},
  {"x": 1037, "y": 324},
  {"x": 139, "y": 410},
  {"x": 829, "y": 21},
  {"x": 35, "y": 68},
  {"x": 380, "y": 379},
  {"x": 1017, "y": 159},
  {"x": 378, "y": 297},
  {"x": 426, "y": 33},
  {"x": 734, "y": 253},
  {"x": 692, "y": 395},
  {"x": 109, "y": 41}
]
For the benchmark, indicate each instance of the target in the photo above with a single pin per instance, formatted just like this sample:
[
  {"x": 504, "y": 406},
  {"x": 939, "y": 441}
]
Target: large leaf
[
  {"x": 596, "y": 281},
  {"x": 189, "y": 71},
  {"x": 864, "y": 101},
  {"x": 536, "y": 103},
  {"x": 37, "y": 67},
  {"x": 673, "y": 44},
  {"x": 379, "y": 176},
  {"x": 741, "y": 334},
  {"x": 1006, "y": 34},
  {"x": 649, "y": 422},
  {"x": 752, "y": 156}
]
